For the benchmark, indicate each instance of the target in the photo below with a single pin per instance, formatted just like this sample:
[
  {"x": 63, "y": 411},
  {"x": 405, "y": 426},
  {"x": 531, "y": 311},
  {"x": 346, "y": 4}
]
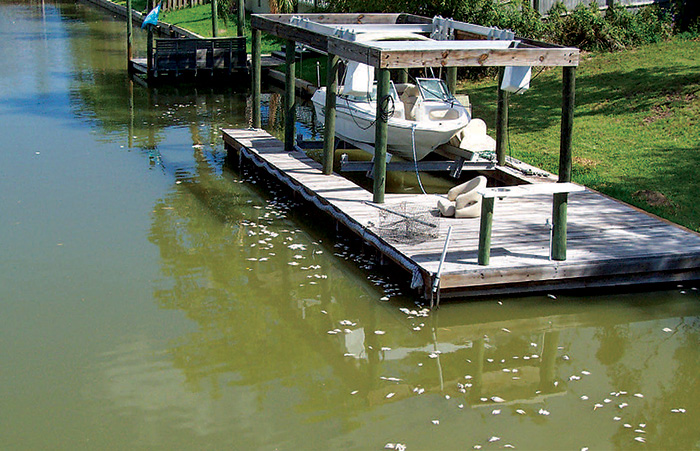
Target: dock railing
[{"x": 178, "y": 55}]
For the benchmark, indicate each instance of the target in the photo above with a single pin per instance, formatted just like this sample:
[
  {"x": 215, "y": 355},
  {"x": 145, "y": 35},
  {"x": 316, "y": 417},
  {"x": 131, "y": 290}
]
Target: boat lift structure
[{"x": 454, "y": 44}]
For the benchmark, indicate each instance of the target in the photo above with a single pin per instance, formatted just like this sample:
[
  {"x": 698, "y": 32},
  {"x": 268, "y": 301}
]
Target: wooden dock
[
  {"x": 195, "y": 58},
  {"x": 609, "y": 242}
]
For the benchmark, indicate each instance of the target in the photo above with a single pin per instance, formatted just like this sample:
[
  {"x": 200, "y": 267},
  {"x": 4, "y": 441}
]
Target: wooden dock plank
[{"x": 608, "y": 241}]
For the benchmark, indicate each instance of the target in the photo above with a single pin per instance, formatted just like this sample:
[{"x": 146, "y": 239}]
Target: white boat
[{"x": 422, "y": 116}]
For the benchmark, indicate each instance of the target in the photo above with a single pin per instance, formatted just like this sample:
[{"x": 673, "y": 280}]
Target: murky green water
[{"x": 153, "y": 298}]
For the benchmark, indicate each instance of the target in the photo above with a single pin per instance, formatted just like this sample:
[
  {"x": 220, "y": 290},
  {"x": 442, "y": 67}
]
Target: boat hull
[{"x": 355, "y": 123}]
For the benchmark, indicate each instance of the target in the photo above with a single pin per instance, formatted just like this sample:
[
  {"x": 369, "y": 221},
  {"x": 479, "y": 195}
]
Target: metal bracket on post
[
  {"x": 370, "y": 171},
  {"x": 456, "y": 170}
]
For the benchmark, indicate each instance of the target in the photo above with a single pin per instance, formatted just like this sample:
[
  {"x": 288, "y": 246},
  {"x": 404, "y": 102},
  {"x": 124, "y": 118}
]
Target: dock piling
[
  {"x": 381, "y": 131},
  {"x": 149, "y": 45},
  {"x": 256, "y": 76},
  {"x": 129, "y": 34},
  {"x": 501, "y": 121},
  {"x": 214, "y": 19},
  {"x": 329, "y": 126},
  {"x": 452, "y": 79},
  {"x": 289, "y": 98},
  {"x": 485, "y": 227},
  {"x": 241, "y": 17},
  {"x": 559, "y": 206}
]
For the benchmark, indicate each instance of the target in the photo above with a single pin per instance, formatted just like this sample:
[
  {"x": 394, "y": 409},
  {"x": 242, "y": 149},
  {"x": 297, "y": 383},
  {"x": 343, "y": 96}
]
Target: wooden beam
[
  {"x": 256, "y": 76},
  {"x": 290, "y": 98},
  {"x": 381, "y": 131},
  {"x": 474, "y": 57},
  {"x": 337, "y": 19},
  {"x": 291, "y": 33},
  {"x": 329, "y": 122},
  {"x": 390, "y": 55}
]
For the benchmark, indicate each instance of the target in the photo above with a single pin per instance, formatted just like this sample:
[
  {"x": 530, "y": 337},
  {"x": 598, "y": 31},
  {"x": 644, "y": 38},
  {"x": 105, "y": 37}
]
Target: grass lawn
[
  {"x": 636, "y": 125},
  {"x": 198, "y": 20}
]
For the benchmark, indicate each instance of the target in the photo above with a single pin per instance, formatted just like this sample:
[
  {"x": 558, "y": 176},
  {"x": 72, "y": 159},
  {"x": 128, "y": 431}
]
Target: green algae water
[{"x": 151, "y": 297}]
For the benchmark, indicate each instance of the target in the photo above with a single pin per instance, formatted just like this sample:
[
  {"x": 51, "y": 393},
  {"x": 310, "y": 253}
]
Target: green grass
[
  {"x": 198, "y": 20},
  {"x": 636, "y": 126}
]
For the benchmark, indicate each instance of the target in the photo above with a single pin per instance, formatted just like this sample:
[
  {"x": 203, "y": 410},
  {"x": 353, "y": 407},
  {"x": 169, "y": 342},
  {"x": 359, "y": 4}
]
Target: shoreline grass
[{"x": 197, "y": 19}]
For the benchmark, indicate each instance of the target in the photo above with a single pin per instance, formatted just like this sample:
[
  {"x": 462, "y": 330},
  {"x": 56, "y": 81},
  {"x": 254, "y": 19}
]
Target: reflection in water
[{"x": 256, "y": 326}]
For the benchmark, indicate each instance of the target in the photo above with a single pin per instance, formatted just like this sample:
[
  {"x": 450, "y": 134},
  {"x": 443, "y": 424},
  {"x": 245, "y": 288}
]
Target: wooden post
[
  {"x": 567, "y": 123},
  {"x": 329, "y": 122},
  {"x": 559, "y": 209},
  {"x": 241, "y": 17},
  {"x": 402, "y": 76},
  {"x": 452, "y": 79},
  {"x": 380, "y": 136},
  {"x": 129, "y": 35},
  {"x": 501, "y": 121},
  {"x": 289, "y": 98},
  {"x": 214, "y": 18},
  {"x": 149, "y": 45},
  {"x": 559, "y": 205},
  {"x": 256, "y": 76},
  {"x": 487, "y": 204}
]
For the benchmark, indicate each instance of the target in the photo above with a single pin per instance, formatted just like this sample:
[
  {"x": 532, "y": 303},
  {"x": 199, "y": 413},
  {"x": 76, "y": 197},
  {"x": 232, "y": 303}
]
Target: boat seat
[
  {"x": 463, "y": 201},
  {"x": 473, "y": 138},
  {"x": 410, "y": 98},
  {"x": 401, "y": 87},
  {"x": 443, "y": 114}
]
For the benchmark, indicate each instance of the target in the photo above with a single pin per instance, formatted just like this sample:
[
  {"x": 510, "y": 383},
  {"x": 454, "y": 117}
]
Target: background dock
[{"x": 609, "y": 242}]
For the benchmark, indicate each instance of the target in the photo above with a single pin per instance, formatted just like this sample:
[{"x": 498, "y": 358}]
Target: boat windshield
[
  {"x": 369, "y": 97},
  {"x": 434, "y": 89}
]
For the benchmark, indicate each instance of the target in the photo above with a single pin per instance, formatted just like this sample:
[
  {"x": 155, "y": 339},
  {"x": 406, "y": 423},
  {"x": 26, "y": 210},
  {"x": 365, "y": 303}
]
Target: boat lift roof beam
[{"x": 319, "y": 31}]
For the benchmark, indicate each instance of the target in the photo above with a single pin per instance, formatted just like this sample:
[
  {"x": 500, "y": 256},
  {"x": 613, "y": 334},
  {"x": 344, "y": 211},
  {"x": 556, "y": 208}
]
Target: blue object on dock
[{"x": 152, "y": 17}]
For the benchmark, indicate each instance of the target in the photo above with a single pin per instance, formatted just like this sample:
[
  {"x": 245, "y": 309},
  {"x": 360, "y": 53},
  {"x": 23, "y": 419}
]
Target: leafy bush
[{"x": 585, "y": 27}]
